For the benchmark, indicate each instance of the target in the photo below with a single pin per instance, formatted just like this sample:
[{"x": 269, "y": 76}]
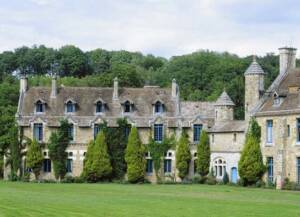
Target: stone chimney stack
[
  {"x": 116, "y": 89},
  {"x": 23, "y": 83},
  {"x": 287, "y": 59},
  {"x": 175, "y": 89},
  {"x": 54, "y": 86}
]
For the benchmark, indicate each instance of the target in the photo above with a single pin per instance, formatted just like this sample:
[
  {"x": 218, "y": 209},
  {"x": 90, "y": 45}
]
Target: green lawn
[{"x": 29, "y": 199}]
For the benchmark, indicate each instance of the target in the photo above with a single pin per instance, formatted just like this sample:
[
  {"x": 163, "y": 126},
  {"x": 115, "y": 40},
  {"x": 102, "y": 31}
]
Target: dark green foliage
[
  {"x": 183, "y": 156},
  {"x": 34, "y": 158},
  {"x": 1, "y": 165},
  {"x": 251, "y": 167},
  {"x": 57, "y": 146},
  {"x": 157, "y": 152},
  {"x": 203, "y": 154},
  {"x": 225, "y": 178},
  {"x": 88, "y": 160},
  {"x": 211, "y": 179},
  {"x": 134, "y": 158}
]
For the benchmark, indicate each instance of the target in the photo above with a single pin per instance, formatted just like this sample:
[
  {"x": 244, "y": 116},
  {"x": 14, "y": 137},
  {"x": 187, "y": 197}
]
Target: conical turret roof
[
  {"x": 254, "y": 68},
  {"x": 225, "y": 100}
]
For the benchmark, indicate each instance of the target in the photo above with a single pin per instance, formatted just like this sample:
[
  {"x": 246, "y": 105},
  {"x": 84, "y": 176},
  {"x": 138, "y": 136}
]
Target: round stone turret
[{"x": 224, "y": 108}]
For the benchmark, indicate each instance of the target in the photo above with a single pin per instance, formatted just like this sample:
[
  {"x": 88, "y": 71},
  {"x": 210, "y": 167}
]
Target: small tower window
[
  {"x": 127, "y": 107},
  {"x": 39, "y": 107},
  {"x": 158, "y": 107},
  {"x": 99, "y": 107}
]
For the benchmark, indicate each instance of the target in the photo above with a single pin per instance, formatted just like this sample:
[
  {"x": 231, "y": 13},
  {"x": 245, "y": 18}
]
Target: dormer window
[
  {"x": 70, "y": 106},
  {"x": 158, "y": 107},
  {"x": 99, "y": 107},
  {"x": 277, "y": 99},
  {"x": 39, "y": 107},
  {"x": 127, "y": 107}
]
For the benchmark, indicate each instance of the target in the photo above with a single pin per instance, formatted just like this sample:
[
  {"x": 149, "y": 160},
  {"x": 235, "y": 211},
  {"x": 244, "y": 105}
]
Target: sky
[{"x": 160, "y": 27}]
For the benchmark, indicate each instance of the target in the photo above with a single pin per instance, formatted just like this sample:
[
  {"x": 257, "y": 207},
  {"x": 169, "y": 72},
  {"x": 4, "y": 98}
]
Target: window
[
  {"x": 220, "y": 168},
  {"x": 269, "y": 131},
  {"x": 38, "y": 132},
  {"x": 212, "y": 138},
  {"x": 99, "y": 107},
  {"x": 96, "y": 130},
  {"x": 158, "y": 107},
  {"x": 158, "y": 132},
  {"x": 234, "y": 137},
  {"x": 47, "y": 165},
  {"x": 127, "y": 107},
  {"x": 39, "y": 107},
  {"x": 127, "y": 131},
  {"x": 167, "y": 166},
  {"x": 298, "y": 170},
  {"x": 298, "y": 129},
  {"x": 70, "y": 107},
  {"x": 270, "y": 168},
  {"x": 69, "y": 165},
  {"x": 149, "y": 166},
  {"x": 288, "y": 130},
  {"x": 276, "y": 101},
  {"x": 197, "y": 132},
  {"x": 71, "y": 132},
  {"x": 195, "y": 166}
]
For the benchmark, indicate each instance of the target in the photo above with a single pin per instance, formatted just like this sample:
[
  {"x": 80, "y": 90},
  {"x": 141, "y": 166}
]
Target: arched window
[
  {"x": 158, "y": 107},
  {"x": 219, "y": 167},
  {"x": 70, "y": 106},
  {"x": 127, "y": 106},
  {"x": 39, "y": 106},
  {"x": 99, "y": 107}
]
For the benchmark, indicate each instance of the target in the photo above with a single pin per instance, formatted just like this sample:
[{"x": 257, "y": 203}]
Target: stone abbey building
[{"x": 159, "y": 111}]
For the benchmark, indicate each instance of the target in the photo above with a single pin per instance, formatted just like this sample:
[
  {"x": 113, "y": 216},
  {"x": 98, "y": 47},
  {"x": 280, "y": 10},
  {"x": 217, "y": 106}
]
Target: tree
[
  {"x": 100, "y": 168},
  {"x": 57, "y": 146},
  {"x": 183, "y": 156},
  {"x": 134, "y": 158},
  {"x": 88, "y": 160},
  {"x": 34, "y": 158},
  {"x": 251, "y": 167},
  {"x": 203, "y": 154}
]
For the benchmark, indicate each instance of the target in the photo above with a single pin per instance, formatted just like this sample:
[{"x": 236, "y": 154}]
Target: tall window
[
  {"x": 96, "y": 130},
  {"x": 99, "y": 107},
  {"x": 269, "y": 131},
  {"x": 127, "y": 107},
  {"x": 69, "y": 165},
  {"x": 127, "y": 131},
  {"x": 195, "y": 166},
  {"x": 298, "y": 129},
  {"x": 158, "y": 132},
  {"x": 167, "y": 166},
  {"x": 197, "y": 132},
  {"x": 149, "y": 166},
  {"x": 158, "y": 107},
  {"x": 38, "y": 132},
  {"x": 298, "y": 170},
  {"x": 47, "y": 166},
  {"x": 39, "y": 107},
  {"x": 288, "y": 130},
  {"x": 270, "y": 168},
  {"x": 220, "y": 168},
  {"x": 71, "y": 132},
  {"x": 70, "y": 107}
]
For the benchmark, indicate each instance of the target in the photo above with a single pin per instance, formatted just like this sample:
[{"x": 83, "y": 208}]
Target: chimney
[
  {"x": 175, "y": 88},
  {"x": 23, "y": 83},
  {"x": 54, "y": 86},
  {"x": 116, "y": 89},
  {"x": 287, "y": 59}
]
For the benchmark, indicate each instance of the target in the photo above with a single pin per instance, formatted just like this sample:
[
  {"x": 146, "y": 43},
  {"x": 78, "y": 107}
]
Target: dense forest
[{"x": 201, "y": 75}]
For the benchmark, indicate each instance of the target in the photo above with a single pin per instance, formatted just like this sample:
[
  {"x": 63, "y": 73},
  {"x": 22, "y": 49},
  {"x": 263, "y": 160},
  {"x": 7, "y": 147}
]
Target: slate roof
[
  {"x": 224, "y": 100},
  {"x": 254, "y": 68},
  {"x": 228, "y": 126}
]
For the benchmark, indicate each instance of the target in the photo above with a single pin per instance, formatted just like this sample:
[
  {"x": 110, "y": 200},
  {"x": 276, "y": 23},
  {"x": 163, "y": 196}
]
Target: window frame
[
  {"x": 70, "y": 105},
  {"x": 149, "y": 166},
  {"x": 298, "y": 169},
  {"x": 100, "y": 106},
  {"x": 69, "y": 165},
  {"x": 40, "y": 134},
  {"x": 158, "y": 134},
  {"x": 71, "y": 137},
  {"x": 97, "y": 129},
  {"x": 269, "y": 132},
  {"x": 197, "y": 129},
  {"x": 39, "y": 104},
  {"x": 167, "y": 166},
  {"x": 127, "y": 107},
  {"x": 158, "y": 107},
  {"x": 270, "y": 169},
  {"x": 47, "y": 165},
  {"x": 298, "y": 131}
]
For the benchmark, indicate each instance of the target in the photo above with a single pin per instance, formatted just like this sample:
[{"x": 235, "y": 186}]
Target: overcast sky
[{"x": 161, "y": 27}]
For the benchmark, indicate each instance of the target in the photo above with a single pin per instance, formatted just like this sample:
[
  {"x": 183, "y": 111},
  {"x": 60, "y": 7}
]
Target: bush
[
  {"x": 260, "y": 184},
  {"x": 198, "y": 179},
  {"x": 288, "y": 185},
  {"x": 68, "y": 179},
  {"x": 34, "y": 158},
  {"x": 183, "y": 156},
  {"x": 225, "y": 179},
  {"x": 211, "y": 180}
]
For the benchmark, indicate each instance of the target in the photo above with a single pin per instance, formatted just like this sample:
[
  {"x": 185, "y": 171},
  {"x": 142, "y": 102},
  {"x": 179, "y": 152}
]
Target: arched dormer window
[
  {"x": 39, "y": 106},
  {"x": 158, "y": 107},
  {"x": 70, "y": 106},
  {"x": 127, "y": 107},
  {"x": 99, "y": 107}
]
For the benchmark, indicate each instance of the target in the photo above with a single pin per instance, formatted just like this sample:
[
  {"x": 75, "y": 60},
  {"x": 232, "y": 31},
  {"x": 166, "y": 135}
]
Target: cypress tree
[
  {"x": 88, "y": 160},
  {"x": 134, "y": 158},
  {"x": 183, "y": 156},
  {"x": 251, "y": 167},
  {"x": 203, "y": 154},
  {"x": 34, "y": 158}
]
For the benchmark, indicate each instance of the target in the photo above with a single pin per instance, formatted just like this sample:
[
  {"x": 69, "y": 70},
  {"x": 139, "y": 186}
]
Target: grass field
[{"x": 29, "y": 199}]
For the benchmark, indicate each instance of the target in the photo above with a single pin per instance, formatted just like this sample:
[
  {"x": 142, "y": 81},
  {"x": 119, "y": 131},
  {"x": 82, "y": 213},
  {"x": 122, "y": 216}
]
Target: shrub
[
  {"x": 203, "y": 154},
  {"x": 183, "y": 156},
  {"x": 288, "y": 185},
  {"x": 88, "y": 160},
  {"x": 198, "y": 179},
  {"x": 34, "y": 158},
  {"x": 225, "y": 178},
  {"x": 134, "y": 158},
  {"x": 211, "y": 180}
]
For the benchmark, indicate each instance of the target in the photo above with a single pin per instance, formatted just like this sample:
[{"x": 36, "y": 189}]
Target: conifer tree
[
  {"x": 203, "y": 154},
  {"x": 88, "y": 160},
  {"x": 134, "y": 158},
  {"x": 34, "y": 158},
  {"x": 251, "y": 167},
  {"x": 183, "y": 156}
]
